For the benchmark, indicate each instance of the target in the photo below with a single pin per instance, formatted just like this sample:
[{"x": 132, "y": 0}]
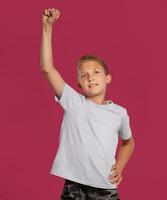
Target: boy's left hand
[{"x": 115, "y": 176}]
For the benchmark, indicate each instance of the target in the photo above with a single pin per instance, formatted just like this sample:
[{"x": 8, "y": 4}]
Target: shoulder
[{"x": 119, "y": 108}]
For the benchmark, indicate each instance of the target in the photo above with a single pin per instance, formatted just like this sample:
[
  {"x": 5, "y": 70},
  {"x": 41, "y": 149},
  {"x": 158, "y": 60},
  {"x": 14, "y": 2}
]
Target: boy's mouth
[{"x": 92, "y": 85}]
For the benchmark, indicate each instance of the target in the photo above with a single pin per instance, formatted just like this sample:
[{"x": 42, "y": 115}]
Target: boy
[{"x": 90, "y": 127}]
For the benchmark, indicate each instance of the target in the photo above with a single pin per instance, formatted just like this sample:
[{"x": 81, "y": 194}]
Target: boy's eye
[
  {"x": 94, "y": 71},
  {"x": 82, "y": 75}
]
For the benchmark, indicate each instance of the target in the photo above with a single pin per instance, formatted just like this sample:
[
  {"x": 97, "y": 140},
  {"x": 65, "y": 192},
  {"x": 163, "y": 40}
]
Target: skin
[
  {"x": 92, "y": 72},
  {"x": 87, "y": 74},
  {"x": 125, "y": 153}
]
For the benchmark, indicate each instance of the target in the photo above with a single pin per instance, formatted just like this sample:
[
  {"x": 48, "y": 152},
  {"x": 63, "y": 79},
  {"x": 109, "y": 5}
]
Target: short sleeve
[
  {"x": 125, "y": 129},
  {"x": 69, "y": 98}
]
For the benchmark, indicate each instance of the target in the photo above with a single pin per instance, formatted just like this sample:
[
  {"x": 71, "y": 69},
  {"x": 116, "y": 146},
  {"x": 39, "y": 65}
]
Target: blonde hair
[{"x": 91, "y": 57}]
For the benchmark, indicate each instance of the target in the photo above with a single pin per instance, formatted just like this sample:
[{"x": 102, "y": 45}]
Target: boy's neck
[{"x": 98, "y": 100}]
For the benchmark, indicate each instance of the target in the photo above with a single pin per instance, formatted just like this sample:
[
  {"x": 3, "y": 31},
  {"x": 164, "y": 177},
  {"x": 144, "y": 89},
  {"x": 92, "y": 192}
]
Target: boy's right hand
[{"x": 49, "y": 16}]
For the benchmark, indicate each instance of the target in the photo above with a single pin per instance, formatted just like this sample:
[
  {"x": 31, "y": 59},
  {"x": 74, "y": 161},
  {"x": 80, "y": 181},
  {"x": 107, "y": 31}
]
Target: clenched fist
[{"x": 50, "y": 15}]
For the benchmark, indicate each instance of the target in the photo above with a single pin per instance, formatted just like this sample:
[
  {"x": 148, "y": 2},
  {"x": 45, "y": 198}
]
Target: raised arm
[{"x": 46, "y": 55}]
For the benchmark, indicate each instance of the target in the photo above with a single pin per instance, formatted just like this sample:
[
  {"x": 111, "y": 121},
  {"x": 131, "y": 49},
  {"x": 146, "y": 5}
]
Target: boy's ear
[{"x": 109, "y": 78}]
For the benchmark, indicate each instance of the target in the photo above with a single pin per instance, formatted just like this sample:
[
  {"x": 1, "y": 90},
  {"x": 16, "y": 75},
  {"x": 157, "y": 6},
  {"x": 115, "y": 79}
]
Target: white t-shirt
[{"x": 88, "y": 139}]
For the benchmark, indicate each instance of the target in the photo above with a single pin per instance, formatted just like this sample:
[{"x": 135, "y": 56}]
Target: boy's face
[{"x": 92, "y": 78}]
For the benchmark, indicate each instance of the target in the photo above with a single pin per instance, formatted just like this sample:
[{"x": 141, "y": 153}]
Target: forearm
[
  {"x": 46, "y": 55},
  {"x": 125, "y": 153}
]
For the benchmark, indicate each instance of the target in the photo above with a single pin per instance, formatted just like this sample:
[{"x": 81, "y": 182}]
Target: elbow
[
  {"x": 132, "y": 143},
  {"x": 45, "y": 68},
  {"x": 129, "y": 142}
]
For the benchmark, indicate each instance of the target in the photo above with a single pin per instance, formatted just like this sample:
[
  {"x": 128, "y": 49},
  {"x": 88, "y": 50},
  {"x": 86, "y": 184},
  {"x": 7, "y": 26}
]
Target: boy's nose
[{"x": 90, "y": 77}]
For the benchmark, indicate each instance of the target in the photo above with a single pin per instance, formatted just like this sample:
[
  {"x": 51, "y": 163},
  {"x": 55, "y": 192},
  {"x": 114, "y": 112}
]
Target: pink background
[{"x": 131, "y": 37}]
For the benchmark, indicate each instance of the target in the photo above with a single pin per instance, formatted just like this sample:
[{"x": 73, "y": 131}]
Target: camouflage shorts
[{"x": 78, "y": 191}]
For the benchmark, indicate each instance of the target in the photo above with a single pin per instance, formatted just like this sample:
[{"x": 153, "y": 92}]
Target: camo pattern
[{"x": 77, "y": 191}]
